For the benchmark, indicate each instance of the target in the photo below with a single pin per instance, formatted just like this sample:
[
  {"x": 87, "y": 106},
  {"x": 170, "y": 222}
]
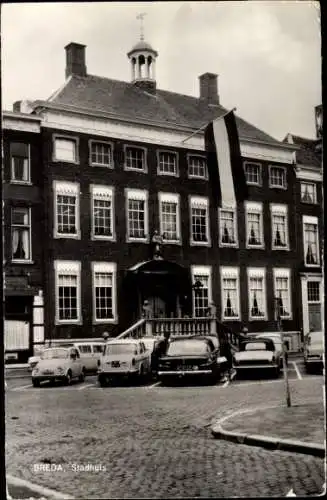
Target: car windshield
[
  {"x": 187, "y": 348},
  {"x": 55, "y": 354},
  {"x": 255, "y": 346},
  {"x": 121, "y": 348}
]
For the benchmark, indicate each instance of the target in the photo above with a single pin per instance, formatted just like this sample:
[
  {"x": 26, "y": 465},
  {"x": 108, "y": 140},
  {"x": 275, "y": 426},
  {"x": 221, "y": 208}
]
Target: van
[{"x": 91, "y": 353}]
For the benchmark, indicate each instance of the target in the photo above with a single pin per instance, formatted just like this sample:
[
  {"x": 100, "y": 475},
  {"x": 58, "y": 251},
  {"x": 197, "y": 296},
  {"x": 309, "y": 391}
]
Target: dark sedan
[{"x": 190, "y": 357}]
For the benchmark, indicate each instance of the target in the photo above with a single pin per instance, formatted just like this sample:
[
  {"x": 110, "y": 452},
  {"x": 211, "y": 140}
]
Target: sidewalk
[
  {"x": 299, "y": 428},
  {"x": 22, "y": 489}
]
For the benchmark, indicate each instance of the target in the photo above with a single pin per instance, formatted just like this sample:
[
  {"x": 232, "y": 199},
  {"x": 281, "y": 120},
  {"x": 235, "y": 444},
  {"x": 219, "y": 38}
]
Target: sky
[{"x": 267, "y": 53}]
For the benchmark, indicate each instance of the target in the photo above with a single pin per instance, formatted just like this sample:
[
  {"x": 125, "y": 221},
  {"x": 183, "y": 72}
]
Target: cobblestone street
[{"x": 152, "y": 442}]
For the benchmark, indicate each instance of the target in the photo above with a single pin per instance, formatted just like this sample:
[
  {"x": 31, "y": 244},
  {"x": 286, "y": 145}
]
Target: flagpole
[{"x": 204, "y": 126}]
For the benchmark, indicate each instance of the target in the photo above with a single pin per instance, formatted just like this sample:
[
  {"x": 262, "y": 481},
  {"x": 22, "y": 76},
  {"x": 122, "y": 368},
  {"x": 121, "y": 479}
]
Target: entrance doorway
[{"x": 164, "y": 307}]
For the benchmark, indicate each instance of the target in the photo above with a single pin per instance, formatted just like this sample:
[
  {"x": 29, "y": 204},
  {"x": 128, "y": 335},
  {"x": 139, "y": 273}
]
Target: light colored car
[
  {"x": 123, "y": 357},
  {"x": 313, "y": 350},
  {"x": 58, "y": 363},
  {"x": 257, "y": 354},
  {"x": 90, "y": 353},
  {"x": 276, "y": 337}
]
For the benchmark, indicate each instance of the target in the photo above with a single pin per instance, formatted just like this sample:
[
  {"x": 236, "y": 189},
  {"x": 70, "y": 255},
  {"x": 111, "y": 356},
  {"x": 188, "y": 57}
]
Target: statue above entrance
[{"x": 157, "y": 241}]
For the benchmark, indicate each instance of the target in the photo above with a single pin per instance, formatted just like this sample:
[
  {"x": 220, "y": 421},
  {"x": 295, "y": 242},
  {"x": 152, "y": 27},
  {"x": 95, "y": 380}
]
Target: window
[
  {"x": 167, "y": 163},
  {"x": 137, "y": 214},
  {"x": 104, "y": 292},
  {"x": 197, "y": 167},
  {"x": 169, "y": 216},
  {"x": 230, "y": 293},
  {"x": 310, "y": 239},
  {"x": 314, "y": 306},
  {"x": 135, "y": 159},
  {"x": 102, "y": 212},
  {"x": 20, "y": 162},
  {"x": 227, "y": 227},
  {"x": 101, "y": 154},
  {"x": 282, "y": 291},
  {"x": 279, "y": 224},
  {"x": 199, "y": 220},
  {"x": 252, "y": 173},
  {"x": 68, "y": 289},
  {"x": 254, "y": 229},
  {"x": 66, "y": 210},
  {"x": 202, "y": 294},
  {"x": 21, "y": 234},
  {"x": 308, "y": 192},
  {"x": 277, "y": 177},
  {"x": 65, "y": 149},
  {"x": 257, "y": 293}
]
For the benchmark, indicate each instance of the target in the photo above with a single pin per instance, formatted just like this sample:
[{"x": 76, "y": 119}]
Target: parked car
[
  {"x": 123, "y": 358},
  {"x": 276, "y": 337},
  {"x": 258, "y": 354},
  {"x": 195, "y": 356},
  {"x": 90, "y": 353},
  {"x": 313, "y": 351},
  {"x": 58, "y": 363},
  {"x": 150, "y": 344}
]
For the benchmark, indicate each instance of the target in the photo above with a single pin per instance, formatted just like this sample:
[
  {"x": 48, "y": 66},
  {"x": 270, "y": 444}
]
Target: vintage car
[
  {"x": 313, "y": 351},
  {"x": 276, "y": 337},
  {"x": 90, "y": 353},
  {"x": 123, "y": 358},
  {"x": 258, "y": 353},
  {"x": 190, "y": 357},
  {"x": 58, "y": 363}
]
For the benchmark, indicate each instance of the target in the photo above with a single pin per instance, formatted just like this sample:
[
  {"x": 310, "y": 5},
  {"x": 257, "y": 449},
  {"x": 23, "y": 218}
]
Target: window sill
[
  {"x": 71, "y": 162},
  {"x": 255, "y": 247},
  {"x": 137, "y": 240},
  {"x": 261, "y": 318},
  {"x": 258, "y": 184},
  {"x": 309, "y": 202},
  {"x": 171, "y": 242},
  {"x": 111, "y": 167},
  {"x": 141, "y": 170},
  {"x": 197, "y": 177},
  {"x": 67, "y": 236},
  {"x": 60, "y": 322},
  {"x": 21, "y": 261},
  {"x": 312, "y": 265},
  {"x": 285, "y": 249},
  {"x": 113, "y": 321},
  {"x": 228, "y": 245},
  {"x": 21, "y": 183},
  {"x": 103, "y": 238},
  {"x": 234, "y": 318},
  {"x": 271, "y": 186},
  {"x": 200, "y": 244},
  {"x": 168, "y": 174}
]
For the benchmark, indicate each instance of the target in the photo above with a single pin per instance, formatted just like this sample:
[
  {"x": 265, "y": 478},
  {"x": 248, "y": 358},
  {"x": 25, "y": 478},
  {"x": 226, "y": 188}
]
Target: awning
[{"x": 160, "y": 271}]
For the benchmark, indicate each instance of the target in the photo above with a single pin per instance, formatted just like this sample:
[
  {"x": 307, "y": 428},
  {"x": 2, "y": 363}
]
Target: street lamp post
[{"x": 285, "y": 371}]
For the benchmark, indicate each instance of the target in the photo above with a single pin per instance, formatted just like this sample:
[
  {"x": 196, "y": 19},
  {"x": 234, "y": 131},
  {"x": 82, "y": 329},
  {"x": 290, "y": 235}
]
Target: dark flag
[{"x": 225, "y": 167}]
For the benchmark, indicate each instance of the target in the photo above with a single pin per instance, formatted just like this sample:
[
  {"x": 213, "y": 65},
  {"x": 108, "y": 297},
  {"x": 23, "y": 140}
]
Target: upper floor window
[
  {"x": 230, "y": 294},
  {"x": 199, "y": 220},
  {"x": 197, "y": 167},
  {"x": 283, "y": 291},
  {"x": 227, "y": 227},
  {"x": 167, "y": 163},
  {"x": 65, "y": 149},
  {"x": 254, "y": 225},
  {"x": 253, "y": 173},
  {"x": 102, "y": 211},
  {"x": 277, "y": 177},
  {"x": 169, "y": 217},
  {"x": 104, "y": 292},
  {"x": 202, "y": 291},
  {"x": 20, "y": 162},
  {"x": 308, "y": 192},
  {"x": 66, "y": 200},
  {"x": 279, "y": 223},
  {"x": 68, "y": 291},
  {"x": 135, "y": 158},
  {"x": 257, "y": 293},
  {"x": 311, "y": 240},
  {"x": 137, "y": 214},
  {"x": 101, "y": 154},
  {"x": 21, "y": 234}
]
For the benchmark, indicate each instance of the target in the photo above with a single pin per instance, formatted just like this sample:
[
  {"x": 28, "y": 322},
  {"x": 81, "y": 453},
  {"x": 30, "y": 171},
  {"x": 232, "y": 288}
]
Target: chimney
[
  {"x": 75, "y": 59},
  {"x": 209, "y": 88}
]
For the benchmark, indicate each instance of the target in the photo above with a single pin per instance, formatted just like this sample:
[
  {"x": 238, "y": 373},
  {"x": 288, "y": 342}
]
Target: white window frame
[
  {"x": 257, "y": 208},
  {"x": 12, "y": 167},
  {"x": 105, "y": 267},
  {"x": 29, "y": 211},
  {"x": 233, "y": 210},
  {"x": 201, "y": 271},
  {"x": 279, "y": 210},
  {"x": 65, "y": 188},
  {"x": 142, "y": 195},
  {"x": 228, "y": 272},
  {"x": 257, "y": 272},
  {"x": 201, "y": 157},
  {"x": 170, "y": 198},
  {"x": 170, "y": 174},
  {"x": 314, "y": 186},
  {"x": 279, "y": 272},
  {"x": 144, "y": 170},
  {"x": 276, "y": 186},
  {"x": 73, "y": 268},
  {"x": 70, "y": 138},
  {"x": 259, "y": 165},
  {"x": 202, "y": 202},
  {"x": 106, "y": 143},
  {"x": 308, "y": 219},
  {"x": 105, "y": 193}
]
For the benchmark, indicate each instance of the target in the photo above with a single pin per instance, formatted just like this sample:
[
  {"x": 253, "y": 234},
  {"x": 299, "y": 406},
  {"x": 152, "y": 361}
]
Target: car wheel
[
  {"x": 103, "y": 381},
  {"x": 36, "y": 383},
  {"x": 68, "y": 378},
  {"x": 81, "y": 378}
]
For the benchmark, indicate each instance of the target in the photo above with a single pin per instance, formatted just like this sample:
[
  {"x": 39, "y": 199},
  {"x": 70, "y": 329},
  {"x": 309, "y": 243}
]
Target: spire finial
[{"x": 140, "y": 17}]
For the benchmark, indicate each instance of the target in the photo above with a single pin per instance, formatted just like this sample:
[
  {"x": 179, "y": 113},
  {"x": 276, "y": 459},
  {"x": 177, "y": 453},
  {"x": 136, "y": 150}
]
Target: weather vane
[{"x": 140, "y": 17}]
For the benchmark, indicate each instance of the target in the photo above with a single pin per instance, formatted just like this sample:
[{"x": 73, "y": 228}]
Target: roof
[
  {"x": 142, "y": 45},
  {"x": 307, "y": 154},
  {"x": 94, "y": 93}
]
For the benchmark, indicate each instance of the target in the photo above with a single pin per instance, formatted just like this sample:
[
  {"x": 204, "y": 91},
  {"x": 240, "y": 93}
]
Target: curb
[{"x": 35, "y": 488}]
